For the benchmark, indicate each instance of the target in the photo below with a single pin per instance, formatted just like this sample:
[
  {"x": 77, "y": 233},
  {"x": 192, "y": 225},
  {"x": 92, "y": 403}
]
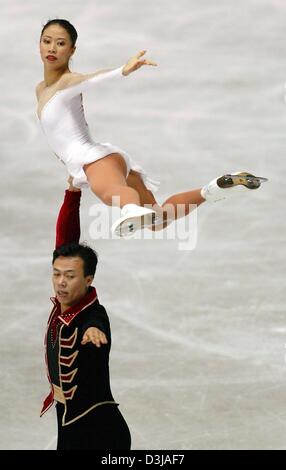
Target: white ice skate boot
[
  {"x": 133, "y": 218},
  {"x": 230, "y": 184}
]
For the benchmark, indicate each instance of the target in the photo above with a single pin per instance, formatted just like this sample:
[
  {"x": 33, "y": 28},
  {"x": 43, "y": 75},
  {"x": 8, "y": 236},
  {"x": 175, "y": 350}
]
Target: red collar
[{"x": 70, "y": 313}]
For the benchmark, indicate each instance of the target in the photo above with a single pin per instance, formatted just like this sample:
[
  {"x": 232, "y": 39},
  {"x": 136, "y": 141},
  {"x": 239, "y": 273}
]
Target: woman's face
[{"x": 56, "y": 46}]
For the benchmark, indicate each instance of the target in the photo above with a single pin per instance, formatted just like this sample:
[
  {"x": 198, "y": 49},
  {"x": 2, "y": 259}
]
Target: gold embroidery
[
  {"x": 68, "y": 378},
  {"x": 58, "y": 394},
  {"x": 69, "y": 342},
  {"x": 68, "y": 394},
  {"x": 64, "y": 423},
  {"x": 68, "y": 360}
]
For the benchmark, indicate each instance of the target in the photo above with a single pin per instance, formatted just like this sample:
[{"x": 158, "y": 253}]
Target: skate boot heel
[
  {"x": 132, "y": 226},
  {"x": 133, "y": 218}
]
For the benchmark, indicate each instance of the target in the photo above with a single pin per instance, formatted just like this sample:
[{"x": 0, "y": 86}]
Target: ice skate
[
  {"x": 133, "y": 218},
  {"x": 230, "y": 184}
]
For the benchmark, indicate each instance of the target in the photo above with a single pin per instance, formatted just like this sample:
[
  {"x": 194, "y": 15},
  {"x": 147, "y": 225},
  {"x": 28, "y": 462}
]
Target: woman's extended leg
[{"x": 107, "y": 178}]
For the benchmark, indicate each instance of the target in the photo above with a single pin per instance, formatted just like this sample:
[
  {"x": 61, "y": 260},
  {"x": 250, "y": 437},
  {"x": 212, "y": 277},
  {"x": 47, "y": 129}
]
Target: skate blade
[
  {"x": 129, "y": 227},
  {"x": 246, "y": 179}
]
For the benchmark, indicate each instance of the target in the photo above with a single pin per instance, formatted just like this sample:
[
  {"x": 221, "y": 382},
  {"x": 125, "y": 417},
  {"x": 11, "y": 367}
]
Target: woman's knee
[{"x": 135, "y": 181}]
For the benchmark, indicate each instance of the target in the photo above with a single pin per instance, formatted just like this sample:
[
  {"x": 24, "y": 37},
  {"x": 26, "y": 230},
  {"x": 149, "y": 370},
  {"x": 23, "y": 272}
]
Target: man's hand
[
  {"x": 135, "y": 63},
  {"x": 95, "y": 336}
]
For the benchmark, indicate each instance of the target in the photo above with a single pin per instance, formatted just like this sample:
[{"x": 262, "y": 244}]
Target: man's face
[{"x": 70, "y": 284}]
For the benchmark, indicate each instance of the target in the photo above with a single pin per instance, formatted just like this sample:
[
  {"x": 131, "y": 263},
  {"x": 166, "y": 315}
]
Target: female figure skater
[{"x": 108, "y": 170}]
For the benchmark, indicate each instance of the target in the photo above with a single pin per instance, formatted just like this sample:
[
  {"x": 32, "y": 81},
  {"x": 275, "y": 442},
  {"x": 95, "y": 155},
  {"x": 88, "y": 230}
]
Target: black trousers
[{"x": 103, "y": 428}]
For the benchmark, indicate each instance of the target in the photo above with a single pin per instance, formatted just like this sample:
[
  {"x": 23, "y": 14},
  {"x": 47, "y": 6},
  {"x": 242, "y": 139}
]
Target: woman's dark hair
[
  {"x": 70, "y": 29},
  {"x": 87, "y": 254}
]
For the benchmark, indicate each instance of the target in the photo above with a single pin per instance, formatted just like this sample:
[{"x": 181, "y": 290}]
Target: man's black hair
[{"x": 87, "y": 254}]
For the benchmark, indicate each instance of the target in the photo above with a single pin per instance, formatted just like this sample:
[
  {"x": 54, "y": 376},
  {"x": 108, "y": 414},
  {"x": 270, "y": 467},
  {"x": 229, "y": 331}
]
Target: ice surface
[{"x": 198, "y": 336}]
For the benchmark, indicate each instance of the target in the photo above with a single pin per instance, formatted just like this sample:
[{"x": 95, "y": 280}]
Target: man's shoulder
[
  {"x": 93, "y": 315},
  {"x": 97, "y": 307}
]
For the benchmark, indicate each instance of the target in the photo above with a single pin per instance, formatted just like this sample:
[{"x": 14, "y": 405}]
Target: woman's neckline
[
  {"x": 57, "y": 81},
  {"x": 51, "y": 99}
]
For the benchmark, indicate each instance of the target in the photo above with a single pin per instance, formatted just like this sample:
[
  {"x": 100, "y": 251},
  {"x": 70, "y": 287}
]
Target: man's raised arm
[{"x": 68, "y": 222}]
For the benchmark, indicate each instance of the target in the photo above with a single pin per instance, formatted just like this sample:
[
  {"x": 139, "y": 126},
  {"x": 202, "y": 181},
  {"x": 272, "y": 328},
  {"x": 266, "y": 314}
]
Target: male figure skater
[{"x": 77, "y": 343}]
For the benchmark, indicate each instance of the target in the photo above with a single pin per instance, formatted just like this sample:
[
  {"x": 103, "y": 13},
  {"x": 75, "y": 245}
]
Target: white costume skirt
[{"x": 91, "y": 152}]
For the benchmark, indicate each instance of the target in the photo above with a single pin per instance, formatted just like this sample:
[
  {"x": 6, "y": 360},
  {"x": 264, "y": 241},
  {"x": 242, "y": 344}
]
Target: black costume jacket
[{"x": 82, "y": 370}]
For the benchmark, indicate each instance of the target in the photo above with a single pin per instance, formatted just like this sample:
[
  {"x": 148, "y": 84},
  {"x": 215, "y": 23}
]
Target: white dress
[{"x": 63, "y": 122}]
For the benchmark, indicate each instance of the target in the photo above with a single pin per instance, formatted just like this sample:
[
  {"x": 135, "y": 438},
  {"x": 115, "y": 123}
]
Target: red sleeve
[{"x": 68, "y": 222}]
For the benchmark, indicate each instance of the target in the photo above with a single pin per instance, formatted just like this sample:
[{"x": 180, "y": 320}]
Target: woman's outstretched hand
[{"x": 135, "y": 63}]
